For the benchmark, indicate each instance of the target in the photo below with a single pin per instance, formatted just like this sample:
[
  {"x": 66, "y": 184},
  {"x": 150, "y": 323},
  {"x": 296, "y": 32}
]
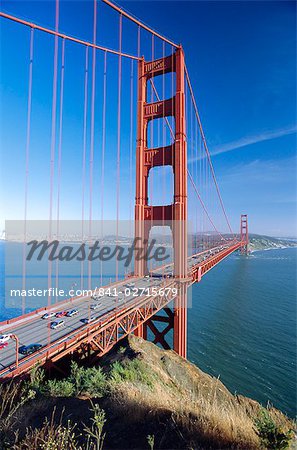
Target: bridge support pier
[
  {"x": 141, "y": 331},
  {"x": 159, "y": 336},
  {"x": 180, "y": 323}
]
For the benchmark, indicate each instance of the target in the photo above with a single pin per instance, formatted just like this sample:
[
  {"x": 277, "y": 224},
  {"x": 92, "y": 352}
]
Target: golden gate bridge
[{"x": 156, "y": 126}]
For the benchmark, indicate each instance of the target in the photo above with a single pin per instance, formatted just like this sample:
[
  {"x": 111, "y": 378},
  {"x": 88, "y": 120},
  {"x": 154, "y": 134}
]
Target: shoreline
[{"x": 272, "y": 248}]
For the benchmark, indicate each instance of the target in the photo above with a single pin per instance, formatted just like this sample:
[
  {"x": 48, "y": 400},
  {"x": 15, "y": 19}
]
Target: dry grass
[
  {"x": 52, "y": 435},
  {"x": 150, "y": 393},
  {"x": 198, "y": 407},
  {"x": 12, "y": 399}
]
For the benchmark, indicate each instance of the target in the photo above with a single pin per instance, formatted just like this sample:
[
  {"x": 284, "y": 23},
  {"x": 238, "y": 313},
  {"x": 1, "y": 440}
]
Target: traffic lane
[
  {"x": 44, "y": 335},
  {"x": 58, "y": 306},
  {"x": 72, "y": 304},
  {"x": 84, "y": 311},
  {"x": 39, "y": 330}
]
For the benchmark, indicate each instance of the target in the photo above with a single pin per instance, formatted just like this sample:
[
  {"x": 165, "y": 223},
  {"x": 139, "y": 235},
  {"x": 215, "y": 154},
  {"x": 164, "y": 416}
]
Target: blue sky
[{"x": 242, "y": 60}]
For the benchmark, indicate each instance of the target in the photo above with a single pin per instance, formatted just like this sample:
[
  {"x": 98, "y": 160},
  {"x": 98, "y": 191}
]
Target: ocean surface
[{"x": 241, "y": 326}]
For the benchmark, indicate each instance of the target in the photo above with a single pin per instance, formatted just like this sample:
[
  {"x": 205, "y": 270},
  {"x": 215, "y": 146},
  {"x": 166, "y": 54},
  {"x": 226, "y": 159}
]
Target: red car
[
  {"x": 5, "y": 344},
  {"x": 61, "y": 314}
]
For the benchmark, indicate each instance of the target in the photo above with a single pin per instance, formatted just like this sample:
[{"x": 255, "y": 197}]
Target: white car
[
  {"x": 88, "y": 319},
  {"x": 57, "y": 324},
  {"x": 48, "y": 315},
  {"x": 96, "y": 296},
  {"x": 4, "y": 338},
  {"x": 95, "y": 305}
]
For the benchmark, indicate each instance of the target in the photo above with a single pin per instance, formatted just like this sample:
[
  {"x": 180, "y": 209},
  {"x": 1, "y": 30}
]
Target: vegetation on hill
[
  {"x": 259, "y": 242},
  {"x": 140, "y": 397}
]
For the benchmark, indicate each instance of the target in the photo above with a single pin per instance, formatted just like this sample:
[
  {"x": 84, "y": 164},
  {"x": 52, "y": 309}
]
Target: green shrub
[
  {"x": 271, "y": 436},
  {"x": 151, "y": 441},
  {"x": 91, "y": 381},
  {"x": 94, "y": 433},
  {"x": 52, "y": 435},
  {"x": 59, "y": 388},
  {"x": 132, "y": 371},
  {"x": 12, "y": 398},
  {"x": 36, "y": 380}
]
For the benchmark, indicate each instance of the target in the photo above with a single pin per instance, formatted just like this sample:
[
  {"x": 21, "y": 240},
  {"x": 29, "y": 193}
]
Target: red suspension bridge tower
[
  {"x": 175, "y": 155},
  {"x": 98, "y": 336},
  {"x": 244, "y": 234}
]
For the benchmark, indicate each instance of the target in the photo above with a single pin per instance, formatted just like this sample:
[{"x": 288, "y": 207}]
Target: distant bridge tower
[
  {"x": 175, "y": 155},
  {"x": 244, "y": 234}
]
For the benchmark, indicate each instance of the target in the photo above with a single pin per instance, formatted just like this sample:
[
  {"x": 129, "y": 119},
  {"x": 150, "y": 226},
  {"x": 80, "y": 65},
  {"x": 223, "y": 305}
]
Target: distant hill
[{"x": 262, "y": 242}]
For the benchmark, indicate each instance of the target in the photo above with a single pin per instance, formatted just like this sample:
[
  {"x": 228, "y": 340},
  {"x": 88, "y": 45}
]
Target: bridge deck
[{"x": 114, "y": 319}]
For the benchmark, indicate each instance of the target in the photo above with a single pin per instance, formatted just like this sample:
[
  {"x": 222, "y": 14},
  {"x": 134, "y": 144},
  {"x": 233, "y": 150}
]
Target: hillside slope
[
  {"x": 144, "y": 390},
  {"x": 259, "y": 242}
]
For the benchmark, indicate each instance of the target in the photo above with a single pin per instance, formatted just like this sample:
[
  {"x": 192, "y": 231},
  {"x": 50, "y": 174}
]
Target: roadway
[
  {"x": 37, "y": 330},
  {"x": 33, "y": 329}
]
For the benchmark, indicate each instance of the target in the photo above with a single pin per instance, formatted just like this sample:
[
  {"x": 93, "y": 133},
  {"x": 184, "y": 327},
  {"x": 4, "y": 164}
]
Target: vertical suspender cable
[
  {"x": 60, "y": 150},
  {"x": 188, "y": 172},
  {"x": 173, "y": 134},
  {"x": 53, "y": 149},
  {"x": 119, "y": 136},
  {"x": 131, "y": 143},
  {"x": 84, "y": 159},
  {"x": 197, "y": 178},
  {"x": 151, "y": 175},
  {"x": 192, "y": 151},
  {"x": 173, "y": 139},
  {"x": 207, "y": 152},
  {"x": 201, "y": 185},
  {"x": 91, "y": 160},
  {"x": 28, "y": 137},
  {"x": 163, "y": 143},
  {"x": 138, "y": 41},
  {"x": 103, "y": 150},
  {"x": 54, "y": 113}
]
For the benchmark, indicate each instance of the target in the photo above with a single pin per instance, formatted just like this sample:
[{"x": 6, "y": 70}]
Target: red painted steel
[
  {"x": 107, "y": 330},
  {"x": 112, "y": 327},
  {"x": 103, "y": 333},
  {"x": 16, "y": 339},
  {"x": 206, "y": 149},
  {"x": 244, "y": 234},
  {"x": 201, "y": 269},
  {"x": 139, "y": 23},
  {"x": 65, "y": 36},
  {"x": 7, "y": 324},
  {"x": 175, "y": 155}
]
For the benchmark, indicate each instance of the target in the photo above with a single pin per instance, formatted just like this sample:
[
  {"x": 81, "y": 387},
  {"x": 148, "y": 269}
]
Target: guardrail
[
  {"x": 139, "y": 312},
  {"x": 113, "y": 326}
]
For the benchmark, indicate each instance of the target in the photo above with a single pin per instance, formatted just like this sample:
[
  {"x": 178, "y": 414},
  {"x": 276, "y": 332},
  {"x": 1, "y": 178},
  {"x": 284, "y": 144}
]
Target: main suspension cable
[{"x": 65, "y": 36}]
